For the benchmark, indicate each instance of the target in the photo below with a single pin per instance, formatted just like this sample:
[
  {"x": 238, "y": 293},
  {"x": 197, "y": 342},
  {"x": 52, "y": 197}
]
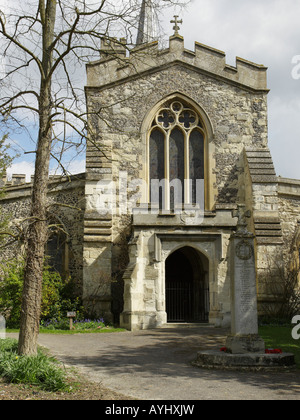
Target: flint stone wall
[
  {"x": 239, "y": 119},
  {"x": 69, "y": 211}
]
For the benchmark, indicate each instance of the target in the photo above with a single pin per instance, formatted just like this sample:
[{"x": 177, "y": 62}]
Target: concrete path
[{"x": 155, "y": 365}]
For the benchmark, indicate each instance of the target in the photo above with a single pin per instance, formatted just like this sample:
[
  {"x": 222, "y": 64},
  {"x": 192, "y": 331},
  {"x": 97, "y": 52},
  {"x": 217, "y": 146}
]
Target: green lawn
[
  {"x": 87, "y": 331},
  {"x": 281, "y": 337}
]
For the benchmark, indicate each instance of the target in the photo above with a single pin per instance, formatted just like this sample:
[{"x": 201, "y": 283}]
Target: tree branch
[{"x": 19, "y": 45}]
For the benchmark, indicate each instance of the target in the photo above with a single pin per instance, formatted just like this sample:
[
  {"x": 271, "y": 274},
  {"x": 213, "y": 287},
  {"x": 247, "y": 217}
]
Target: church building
[{"x": 178, "y": 152}]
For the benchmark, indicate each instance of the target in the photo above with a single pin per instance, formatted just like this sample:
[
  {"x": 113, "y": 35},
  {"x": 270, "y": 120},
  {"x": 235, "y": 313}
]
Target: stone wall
[
  {"x": 289, "y": 210},
  {"x": 275, "y": 205},
  {"x": 66, "y": 208},
  {"x": 237, "y": 113},
  {"x": 289, "y": 207},
  {"x": 261, "y": 196}
]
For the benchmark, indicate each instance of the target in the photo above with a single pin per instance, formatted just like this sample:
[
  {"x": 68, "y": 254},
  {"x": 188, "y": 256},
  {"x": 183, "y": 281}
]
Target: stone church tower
[{"x": 178, "y": 139}]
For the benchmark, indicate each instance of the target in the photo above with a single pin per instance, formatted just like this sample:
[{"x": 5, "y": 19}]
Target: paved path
[{"x": 155, "y": 365}]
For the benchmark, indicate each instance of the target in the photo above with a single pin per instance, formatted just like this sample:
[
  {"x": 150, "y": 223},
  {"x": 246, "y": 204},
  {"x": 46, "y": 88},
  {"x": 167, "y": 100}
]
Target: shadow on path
[
  {"x": 157, "y": 358},
  {"x": 156, "y": 364}
]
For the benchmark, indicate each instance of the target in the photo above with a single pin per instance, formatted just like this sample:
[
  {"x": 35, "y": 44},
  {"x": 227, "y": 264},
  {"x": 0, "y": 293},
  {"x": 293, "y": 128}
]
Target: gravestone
[
  {"x": 2, "y": 327},
  {"x": 244, "y": 336}
]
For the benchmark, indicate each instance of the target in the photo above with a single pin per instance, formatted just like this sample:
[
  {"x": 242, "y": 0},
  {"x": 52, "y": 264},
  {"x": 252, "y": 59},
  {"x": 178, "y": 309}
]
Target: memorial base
[
  {"x": 243, "y": 344},
  {"x": 253, "y": 362}
]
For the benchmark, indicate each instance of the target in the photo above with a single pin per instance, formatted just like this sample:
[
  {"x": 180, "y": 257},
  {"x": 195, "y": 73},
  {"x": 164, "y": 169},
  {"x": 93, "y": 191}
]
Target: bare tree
[
  {"x": 43, "y": 41},
  {"x": 280, "y": 282}
]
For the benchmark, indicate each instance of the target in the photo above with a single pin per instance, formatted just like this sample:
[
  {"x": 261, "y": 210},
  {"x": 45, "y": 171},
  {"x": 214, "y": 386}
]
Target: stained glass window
[
  {"x": 157, "y": 152},
  {"x": 157, "y": 164},
  {"x": 176, "y": 153},
  {"x": 196, "y": 152}
]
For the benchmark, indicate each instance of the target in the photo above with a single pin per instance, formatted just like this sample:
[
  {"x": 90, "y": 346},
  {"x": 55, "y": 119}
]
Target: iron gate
[
  {"x": 179, "y": 301},
  {"x": 182, "y": 305}
]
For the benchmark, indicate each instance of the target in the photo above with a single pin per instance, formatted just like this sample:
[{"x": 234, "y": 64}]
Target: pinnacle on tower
[{"x": 147, "y": 27}]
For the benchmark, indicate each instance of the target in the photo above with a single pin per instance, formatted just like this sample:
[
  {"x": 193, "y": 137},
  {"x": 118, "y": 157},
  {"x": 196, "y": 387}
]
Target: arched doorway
[{"x": 187, "y": 291}]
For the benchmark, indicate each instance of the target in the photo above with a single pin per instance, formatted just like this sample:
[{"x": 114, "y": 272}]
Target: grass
[
  {"x": 41, "y": 370},
  {"x": 88, "y": 331},
  {"x": 58, "y": 331},
  {"x": 281, "y": 337},
  {"x": 85, "y": 326}
]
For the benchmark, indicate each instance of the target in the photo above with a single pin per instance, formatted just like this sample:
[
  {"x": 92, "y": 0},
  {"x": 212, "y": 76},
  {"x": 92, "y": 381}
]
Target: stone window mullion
[
  {"x": 167, "y": 171},
  {"x": 186, "y": 169}
]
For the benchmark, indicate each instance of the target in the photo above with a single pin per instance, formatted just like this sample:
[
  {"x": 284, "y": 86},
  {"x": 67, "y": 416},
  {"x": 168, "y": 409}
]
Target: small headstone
[{"x": 2, "y": 327}]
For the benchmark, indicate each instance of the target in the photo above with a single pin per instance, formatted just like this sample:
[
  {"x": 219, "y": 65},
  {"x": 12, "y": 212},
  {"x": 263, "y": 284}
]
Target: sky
[{"x": 265, "y": 32}]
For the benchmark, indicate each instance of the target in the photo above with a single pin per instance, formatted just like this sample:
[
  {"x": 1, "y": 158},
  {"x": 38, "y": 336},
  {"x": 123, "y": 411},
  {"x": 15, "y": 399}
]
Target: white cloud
[
  {"x": 73, "y": 167},
  {"x": 77, "y": 166}
]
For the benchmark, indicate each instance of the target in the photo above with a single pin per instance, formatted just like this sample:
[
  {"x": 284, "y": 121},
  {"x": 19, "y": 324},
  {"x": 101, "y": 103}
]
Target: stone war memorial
[
  {"x": 244, "y": 319},
  {"x": 179, "y": 216},
  {"x": 244, "y": 347}
]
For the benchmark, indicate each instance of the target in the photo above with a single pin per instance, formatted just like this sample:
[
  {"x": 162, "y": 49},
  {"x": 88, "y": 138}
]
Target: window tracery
[{"x": 176, "y": 155}]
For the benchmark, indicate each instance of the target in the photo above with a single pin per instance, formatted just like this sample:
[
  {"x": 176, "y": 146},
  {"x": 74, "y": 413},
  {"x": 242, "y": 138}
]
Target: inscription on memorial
[
  {"x": 244, "y": 298},
  {"x": 247, "y": 293}
]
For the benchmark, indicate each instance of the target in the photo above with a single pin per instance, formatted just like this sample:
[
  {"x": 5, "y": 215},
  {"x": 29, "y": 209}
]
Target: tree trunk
[
  {"x": 36, "y": 237},
  {"x": 38, "y": 228},
  {"x": 35, "y": 249}
]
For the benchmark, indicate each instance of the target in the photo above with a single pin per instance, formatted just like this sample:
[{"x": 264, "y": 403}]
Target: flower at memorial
[
  {"x": 273, "y": 351},
  {"x": 223, "y": 349}
]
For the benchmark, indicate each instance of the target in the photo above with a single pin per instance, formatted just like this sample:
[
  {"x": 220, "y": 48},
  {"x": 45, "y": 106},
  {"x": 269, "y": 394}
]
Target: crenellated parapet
[
  {"x": 117, "y": 63},
  {"x": 16, "y": 180},
  {"x": 112, "y": 47}
]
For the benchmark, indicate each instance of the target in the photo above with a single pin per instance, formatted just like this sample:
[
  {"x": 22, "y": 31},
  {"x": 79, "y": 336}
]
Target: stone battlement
[
  {"x": 289, "y": 187},
  {"x": 117, "y": 63},
  {"x": 20, "y": 180},
  {"x": 16, "y": 179}
]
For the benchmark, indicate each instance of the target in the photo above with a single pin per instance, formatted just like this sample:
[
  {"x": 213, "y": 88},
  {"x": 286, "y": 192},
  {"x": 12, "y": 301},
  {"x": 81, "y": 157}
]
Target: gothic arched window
[
  {"x": 57, "y": 248},
  {"x": 176, "y": 156}
]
